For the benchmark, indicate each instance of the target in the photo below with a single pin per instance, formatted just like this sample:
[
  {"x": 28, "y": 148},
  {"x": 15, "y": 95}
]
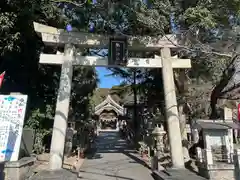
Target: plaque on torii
[{"x": 117, "y": 51}]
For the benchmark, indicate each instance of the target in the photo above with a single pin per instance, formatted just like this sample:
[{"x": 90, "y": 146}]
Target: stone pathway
[
  {"x": 69, "y": 163},
  {"x": 113, "y": 161}
]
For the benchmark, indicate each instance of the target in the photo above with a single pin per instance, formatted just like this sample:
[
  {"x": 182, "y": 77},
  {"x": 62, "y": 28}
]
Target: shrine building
[{"x": 108, "y": 111}]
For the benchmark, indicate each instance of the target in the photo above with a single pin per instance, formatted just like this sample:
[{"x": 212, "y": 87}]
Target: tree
[
  {"x": 129, "y": 85},
  {"x": 148, "y": 87},
  {"x": 19, "y": 55},
  {"x": 198, "y": 23},
  {"x": 208, "y": 30}
]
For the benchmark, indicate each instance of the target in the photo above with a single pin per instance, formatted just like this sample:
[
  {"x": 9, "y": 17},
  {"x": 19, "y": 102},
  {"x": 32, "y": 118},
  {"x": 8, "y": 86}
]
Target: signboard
[
  {"x": 12, "y": 114},
  {"x": 117, "y": 52}
]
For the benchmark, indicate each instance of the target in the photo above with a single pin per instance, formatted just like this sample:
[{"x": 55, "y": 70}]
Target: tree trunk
[
  {"x": 182, "y": 119},
  {"x": 217, "y": 92}
]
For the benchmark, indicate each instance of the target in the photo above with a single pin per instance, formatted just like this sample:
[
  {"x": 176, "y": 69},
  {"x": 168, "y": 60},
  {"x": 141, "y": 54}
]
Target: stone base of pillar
[{"x": 62, "y": 174}]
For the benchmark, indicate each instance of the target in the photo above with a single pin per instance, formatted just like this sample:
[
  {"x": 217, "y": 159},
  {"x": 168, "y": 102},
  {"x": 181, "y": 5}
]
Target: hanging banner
[{"x": 12, "y": 114}]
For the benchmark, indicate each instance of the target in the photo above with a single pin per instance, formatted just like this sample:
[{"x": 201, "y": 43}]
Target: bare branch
[
  {"x": 203, "y": 51},
  {"x": 70, "y": 2},
  {"x": 154, "y": 25}
]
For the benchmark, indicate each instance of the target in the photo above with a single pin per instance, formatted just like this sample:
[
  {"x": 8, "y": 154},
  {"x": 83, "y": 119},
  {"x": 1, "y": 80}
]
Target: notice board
[{"x": 12, "y": 114}]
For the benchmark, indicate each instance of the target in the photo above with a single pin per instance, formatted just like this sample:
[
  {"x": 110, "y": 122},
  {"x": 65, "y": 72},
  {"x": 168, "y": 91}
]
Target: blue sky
[
  {"x": 109, "y": 81},
  {"x": 106, "y": 82}
]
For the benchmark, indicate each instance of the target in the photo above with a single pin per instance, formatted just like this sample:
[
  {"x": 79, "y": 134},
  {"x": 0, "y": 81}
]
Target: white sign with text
[{"x": 12, "y": 114}]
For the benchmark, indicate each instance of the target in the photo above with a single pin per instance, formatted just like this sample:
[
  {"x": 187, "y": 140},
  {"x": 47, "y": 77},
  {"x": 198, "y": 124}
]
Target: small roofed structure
[
  {"x": 108, "y": 112},
  {"x": 215, "y": 132},
  {"x": 217, "y": 137},
  {"x": 215, "y": 125},
  {"x": 217, "y": 152}
]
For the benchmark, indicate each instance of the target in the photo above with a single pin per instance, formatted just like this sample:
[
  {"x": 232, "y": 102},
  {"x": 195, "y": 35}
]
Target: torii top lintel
[{"x": 53, "y": 36}]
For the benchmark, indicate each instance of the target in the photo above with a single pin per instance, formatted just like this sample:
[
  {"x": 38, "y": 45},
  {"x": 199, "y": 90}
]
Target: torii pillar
[
  {"x": 171, "y": 109},
  {"x": 62, "y": 109}
]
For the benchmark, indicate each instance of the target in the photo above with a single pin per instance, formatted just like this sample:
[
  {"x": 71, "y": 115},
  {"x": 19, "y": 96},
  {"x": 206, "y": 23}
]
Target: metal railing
[
  {"x": 209, "y": 156},
  {"x": 220, "y": 154}
]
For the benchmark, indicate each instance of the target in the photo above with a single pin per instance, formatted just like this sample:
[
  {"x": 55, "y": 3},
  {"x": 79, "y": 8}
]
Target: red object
[
  {"x": 238, "y": 112},
  {"x": 2, "y": 78},
  {"x": 81, "y": 155}
]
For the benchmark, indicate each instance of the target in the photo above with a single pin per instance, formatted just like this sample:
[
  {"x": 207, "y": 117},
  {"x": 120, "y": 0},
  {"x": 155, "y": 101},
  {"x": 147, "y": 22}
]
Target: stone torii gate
[{"x": 71, "y": 41}]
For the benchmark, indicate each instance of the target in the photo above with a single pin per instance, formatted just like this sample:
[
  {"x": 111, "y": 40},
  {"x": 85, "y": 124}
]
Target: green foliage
[
  {"x": 201, "y": 16},
  {"x": 122, "y": 90},
  {"x": 19, "y": 55},
  {"x": 38, "y": 120},
  {"x": 148, "y": 86},
  {"x": 38, "y": 146},
  {"x": 205, "y": 25}
]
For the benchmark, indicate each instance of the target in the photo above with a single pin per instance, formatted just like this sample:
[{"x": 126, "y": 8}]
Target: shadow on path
[{"x": 112, "y": 160}]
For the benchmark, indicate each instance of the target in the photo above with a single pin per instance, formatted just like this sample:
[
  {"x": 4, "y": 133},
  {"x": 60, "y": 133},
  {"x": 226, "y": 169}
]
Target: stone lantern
[{"x": 157, "y": 134}]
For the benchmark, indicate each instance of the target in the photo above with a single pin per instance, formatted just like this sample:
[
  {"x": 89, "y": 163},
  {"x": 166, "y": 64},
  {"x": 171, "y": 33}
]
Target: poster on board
[{"x": 12, "y": 114}]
